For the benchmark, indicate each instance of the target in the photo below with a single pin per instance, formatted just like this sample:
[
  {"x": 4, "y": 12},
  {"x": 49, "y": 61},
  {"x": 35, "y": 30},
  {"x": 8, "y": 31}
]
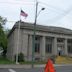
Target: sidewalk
[
  {"x": 30, "y": 66},
  {"x": 15, "y": 66}
]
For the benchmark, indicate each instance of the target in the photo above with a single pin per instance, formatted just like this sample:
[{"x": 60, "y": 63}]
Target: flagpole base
[{"x": 17, "y": 62}]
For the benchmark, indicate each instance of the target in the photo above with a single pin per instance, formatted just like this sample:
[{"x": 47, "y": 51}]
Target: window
[
  {"x": 37, "y": 38},
  {"x": 69, "y": 41},
  {"x": 69, "y": 48},
  {"x": 37, "y": 47},
  {"x": 48, "y": 45},
  {"x": 37, "y": 44},
  {"x": 48, "y": 48}
]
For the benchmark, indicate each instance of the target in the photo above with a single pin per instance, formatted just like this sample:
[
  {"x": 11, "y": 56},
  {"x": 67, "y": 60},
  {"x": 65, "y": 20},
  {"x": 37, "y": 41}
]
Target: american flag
[{"x": 23, "y": 13}]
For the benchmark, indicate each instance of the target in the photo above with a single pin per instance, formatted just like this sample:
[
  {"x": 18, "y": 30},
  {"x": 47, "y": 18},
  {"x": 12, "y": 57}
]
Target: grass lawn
[{"x": 5, "y": 61}]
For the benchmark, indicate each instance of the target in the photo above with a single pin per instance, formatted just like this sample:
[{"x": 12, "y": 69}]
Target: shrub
[
  {"x": 20, "y": 57},
  {"x": 4, "y": 53}
]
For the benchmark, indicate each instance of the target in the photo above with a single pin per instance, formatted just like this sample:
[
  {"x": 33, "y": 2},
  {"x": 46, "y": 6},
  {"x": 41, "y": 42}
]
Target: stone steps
[{"x": 63, "y": 60}]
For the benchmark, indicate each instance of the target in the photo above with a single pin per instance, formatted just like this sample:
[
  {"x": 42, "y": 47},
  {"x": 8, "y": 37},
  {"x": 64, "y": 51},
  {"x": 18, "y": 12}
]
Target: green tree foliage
[
  {"x": 7, "y": 31},
  {"x": 3, "y": 37}
]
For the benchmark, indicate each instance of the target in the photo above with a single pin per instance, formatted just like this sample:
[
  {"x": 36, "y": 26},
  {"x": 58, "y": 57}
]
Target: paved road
[
  {"x": 64, "y": 69},
  {"x": 58, "y": 69}
]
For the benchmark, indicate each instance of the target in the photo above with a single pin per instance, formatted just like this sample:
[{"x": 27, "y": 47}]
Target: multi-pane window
[
  {"x": 69, "y": 49},
  {"x": 48, "y": 45},
  {"x": 69, "y": 41},
  {"x": 37, "y": 47},
  {"x": 69, "y": 46},
  {"x": 48, "y": 48},
  {"x": 37, "y": 44}
]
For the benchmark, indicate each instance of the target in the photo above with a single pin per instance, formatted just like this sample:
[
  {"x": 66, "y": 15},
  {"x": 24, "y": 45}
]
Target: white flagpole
[{"x": 18, "y": 39}]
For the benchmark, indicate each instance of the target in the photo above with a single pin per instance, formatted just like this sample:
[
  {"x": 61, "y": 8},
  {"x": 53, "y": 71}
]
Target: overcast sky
[{"x": 57, "y": 12}]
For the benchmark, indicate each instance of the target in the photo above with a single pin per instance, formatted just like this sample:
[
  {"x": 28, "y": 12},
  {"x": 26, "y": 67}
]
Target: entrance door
[{"x": 60, "y": 50}]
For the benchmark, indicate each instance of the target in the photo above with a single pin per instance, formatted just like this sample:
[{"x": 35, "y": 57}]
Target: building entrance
[{"x": 60, "y": 50}]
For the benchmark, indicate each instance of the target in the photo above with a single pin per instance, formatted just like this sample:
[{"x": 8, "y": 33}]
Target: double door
[{"x": 60, "y": 49}]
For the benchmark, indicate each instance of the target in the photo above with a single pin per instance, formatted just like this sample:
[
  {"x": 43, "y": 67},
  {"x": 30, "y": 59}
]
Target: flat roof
[{"x": 51, "y": 29}]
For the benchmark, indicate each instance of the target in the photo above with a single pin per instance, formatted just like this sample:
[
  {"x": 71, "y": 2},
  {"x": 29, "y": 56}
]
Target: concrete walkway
[
  {"x": 15, "y": 66},
  {"x": 29, "y": 66}
]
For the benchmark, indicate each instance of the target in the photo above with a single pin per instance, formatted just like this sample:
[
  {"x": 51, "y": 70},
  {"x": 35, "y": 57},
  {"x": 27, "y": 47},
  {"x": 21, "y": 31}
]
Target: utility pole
[
  {"x": 34, "y": 30},
  {"x": 34, "y": 35}
]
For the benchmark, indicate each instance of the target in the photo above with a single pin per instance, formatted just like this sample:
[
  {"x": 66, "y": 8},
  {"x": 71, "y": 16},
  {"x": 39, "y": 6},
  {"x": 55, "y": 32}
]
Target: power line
[
  {"x": 32, "y": 3},
  {"x": 25, "y": 3},
  {"x": 54, "y": 10},
  {"x": 61, "y": 12},
  {"x": 60, "y": 16},
  {"x": 53, "y": 7}
]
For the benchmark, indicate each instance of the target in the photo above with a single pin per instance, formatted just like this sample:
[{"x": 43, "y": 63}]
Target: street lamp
[{"x": 33, "y": 43}]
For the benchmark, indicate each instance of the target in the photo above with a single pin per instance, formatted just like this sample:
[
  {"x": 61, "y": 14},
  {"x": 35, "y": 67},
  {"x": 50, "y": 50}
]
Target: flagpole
[{"x": 18, "y": 39}]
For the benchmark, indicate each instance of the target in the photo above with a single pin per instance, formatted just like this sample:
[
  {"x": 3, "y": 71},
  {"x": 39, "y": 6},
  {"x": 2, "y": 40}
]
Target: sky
[{"x": 57, "y": 12}]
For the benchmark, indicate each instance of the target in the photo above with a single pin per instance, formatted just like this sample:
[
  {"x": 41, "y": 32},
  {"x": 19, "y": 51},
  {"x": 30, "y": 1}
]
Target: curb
[
  {"x": 16, "y": 66},
  {"x": 30, "y": 66}
]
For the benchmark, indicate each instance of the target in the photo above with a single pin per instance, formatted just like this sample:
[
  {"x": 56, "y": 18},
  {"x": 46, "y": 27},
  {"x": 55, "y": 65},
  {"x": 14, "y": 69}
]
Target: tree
[
  {"x": 7, "y": 31},
  {"x": 3, "y": 37}
]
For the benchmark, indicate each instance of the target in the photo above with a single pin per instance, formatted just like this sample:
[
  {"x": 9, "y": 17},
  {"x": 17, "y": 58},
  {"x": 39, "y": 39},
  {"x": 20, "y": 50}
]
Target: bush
[
  {"x": 20, "y": 57},
  {"x": 4, "y": 53}
]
